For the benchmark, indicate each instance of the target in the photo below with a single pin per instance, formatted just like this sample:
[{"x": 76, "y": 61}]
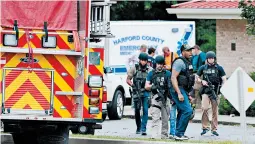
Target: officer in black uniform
[
  {"x": 158, "y": 81},
  {"x": 182, "y": 79},
  {"x": 139, "y": 95},
  {"x": 213, "y": 77}
]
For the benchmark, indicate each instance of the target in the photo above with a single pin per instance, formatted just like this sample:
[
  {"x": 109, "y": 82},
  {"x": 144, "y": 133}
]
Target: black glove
[{"x": 154, "y": 89}]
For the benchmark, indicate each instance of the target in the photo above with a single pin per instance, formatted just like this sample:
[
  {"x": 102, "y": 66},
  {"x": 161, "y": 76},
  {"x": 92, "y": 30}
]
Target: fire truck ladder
[{"x": 100, "y": 19}]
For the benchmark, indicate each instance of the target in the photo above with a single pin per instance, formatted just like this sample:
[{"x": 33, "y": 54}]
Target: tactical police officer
[
  {"x": 213, "y": 77},
  {"x": 158, "y": 81},
  {"x": 182, "y": 79},
  {"x": 139, "y": 95}
]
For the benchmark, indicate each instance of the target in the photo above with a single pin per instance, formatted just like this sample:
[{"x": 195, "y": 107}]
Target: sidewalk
[{"x": 223, "y": 119}]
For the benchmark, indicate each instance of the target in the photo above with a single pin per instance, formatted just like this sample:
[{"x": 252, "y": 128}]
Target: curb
[{"x": 195, "y": 121}]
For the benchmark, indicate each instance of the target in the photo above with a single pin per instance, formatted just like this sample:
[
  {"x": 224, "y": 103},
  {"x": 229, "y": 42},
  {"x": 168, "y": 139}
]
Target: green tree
[
  {"x": 248, "y": 12},
  {"x": 206, "y": 35},
  {"x": 142, "y": 10}
]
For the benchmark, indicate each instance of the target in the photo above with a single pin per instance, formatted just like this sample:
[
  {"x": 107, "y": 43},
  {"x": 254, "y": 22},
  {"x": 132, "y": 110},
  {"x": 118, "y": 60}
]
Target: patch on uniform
[
  {"x": 162, "y": 81},
  {"x": 208, "y": 71}
]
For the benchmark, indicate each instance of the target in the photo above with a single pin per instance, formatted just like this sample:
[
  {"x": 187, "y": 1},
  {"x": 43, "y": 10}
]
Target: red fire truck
[{"x": 51, "y": 77}]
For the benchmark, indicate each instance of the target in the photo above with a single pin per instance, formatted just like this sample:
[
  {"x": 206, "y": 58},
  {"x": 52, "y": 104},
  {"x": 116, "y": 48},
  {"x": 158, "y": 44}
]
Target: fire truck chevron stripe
[
  {"x": 60, "y": 84},
  {"x": 59, "y": 101},
  {"x": 22, "y": 40},
  {"x": 25, "y": 90},
  {"x": 67, "y": 64},
  {"x": 60, "y": 69},
  {"x": 93, "y": 70},
  {"x": 22, "y": 97}
]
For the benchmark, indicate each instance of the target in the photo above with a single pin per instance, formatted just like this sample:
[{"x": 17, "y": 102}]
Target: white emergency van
[{"x": 129, "y": 36}]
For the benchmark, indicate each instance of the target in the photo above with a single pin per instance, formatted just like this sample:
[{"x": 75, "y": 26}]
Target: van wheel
[{"x": 115, "y": 111}]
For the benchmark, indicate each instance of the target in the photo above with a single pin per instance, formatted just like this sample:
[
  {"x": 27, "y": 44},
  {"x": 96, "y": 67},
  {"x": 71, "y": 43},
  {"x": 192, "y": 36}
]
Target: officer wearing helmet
[
  {"x": 213, "y": 76},
  {"x": 140, "y": 96},
  {"x": 158, "y": 82}
]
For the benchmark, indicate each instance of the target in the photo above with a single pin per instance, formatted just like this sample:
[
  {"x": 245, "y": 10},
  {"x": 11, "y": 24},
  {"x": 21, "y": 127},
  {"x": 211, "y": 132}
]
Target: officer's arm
[
  {"x": 148, "y": 86},
  {"x": 148, "y": 81},
  {"x": 197, "y": 78},
  {"x": 223, "y": 75},
  {"x": 199, "y": 73},
  {"x": 130, "y": 76},
  {"x": 174, "y": 81},
  {"x": 224, "y": 79}
]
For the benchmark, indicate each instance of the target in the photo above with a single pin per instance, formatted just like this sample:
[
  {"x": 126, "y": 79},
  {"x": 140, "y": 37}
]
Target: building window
[{"x": 233, "y": 46}]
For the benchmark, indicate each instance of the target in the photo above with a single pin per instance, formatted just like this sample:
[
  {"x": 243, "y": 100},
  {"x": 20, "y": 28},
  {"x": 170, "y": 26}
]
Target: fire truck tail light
[
  {"x": 94, "y": 92},
  {"x": 52, "y": 42},
  {"x": 95, "y": 81},
  {"x": 10, "y": 40},
  {"x": 93, "y": 110},
  {"x": 93, "y": 101},
  {"x": 104, "y": 99}
]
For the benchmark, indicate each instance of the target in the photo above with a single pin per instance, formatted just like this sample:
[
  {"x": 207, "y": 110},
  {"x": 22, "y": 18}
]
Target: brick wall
[{"x": 233, "y": 31}]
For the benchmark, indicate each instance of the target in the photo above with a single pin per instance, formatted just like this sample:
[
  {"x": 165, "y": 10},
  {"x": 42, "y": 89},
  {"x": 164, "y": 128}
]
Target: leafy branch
[{"x": 248, "y": 12}]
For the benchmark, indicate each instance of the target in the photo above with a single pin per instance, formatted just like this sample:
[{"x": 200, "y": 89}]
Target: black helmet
[
  {"x": 143, "y": 56},
  {"x": 210, "y": 54},
  {"x": 160, "y": 59}
]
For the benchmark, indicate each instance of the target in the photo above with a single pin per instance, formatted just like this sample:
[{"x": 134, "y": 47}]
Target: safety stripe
[
  {"x": 94, "y": 70},
  {"x": 58, "y": 103},
  {"x": 16, "y": 99},
  {"x": 62, "y": 40},
  {"x": 61, "y": 64},
  {"x": 67, "y": 64},
  {"x": 58, "y": 99},
  {"x": 60, "y": 69}
]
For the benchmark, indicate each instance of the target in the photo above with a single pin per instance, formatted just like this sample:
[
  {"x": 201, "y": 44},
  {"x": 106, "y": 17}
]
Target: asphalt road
[{"x": 127, "y": 128}]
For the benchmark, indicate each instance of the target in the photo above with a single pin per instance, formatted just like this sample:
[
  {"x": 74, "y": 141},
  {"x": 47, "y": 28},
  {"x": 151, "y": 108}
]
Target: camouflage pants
[{"x": 156, "y": 109}]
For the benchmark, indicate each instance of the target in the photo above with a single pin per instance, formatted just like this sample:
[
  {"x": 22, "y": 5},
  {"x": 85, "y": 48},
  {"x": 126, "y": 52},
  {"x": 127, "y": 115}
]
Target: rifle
[
  {"x": 138, "y": 91},
  {"x": 161, "y": 97},
  {"x": 211, "y": 88}
]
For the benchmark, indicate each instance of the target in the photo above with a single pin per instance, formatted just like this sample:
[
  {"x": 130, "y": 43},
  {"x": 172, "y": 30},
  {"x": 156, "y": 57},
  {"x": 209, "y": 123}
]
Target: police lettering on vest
[
  {"x": 161, "y": 81},
  {"x": 186, "y": 79},
  {"x": 213, "y": 75}
]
